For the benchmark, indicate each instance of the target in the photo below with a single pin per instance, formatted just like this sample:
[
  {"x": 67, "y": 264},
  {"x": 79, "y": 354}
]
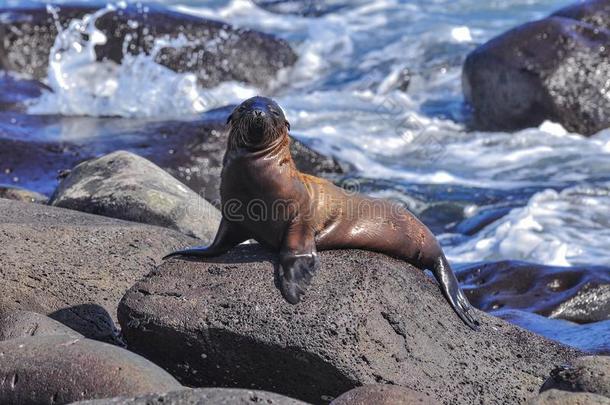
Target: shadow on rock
[{"x": 91, "y": 321}]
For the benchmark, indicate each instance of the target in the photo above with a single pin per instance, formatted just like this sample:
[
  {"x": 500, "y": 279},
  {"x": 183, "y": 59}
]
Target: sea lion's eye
[{"x": 275, "y": 113}]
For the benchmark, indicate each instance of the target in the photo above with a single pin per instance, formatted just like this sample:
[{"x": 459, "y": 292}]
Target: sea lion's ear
[{"x": 287, "y": 125}]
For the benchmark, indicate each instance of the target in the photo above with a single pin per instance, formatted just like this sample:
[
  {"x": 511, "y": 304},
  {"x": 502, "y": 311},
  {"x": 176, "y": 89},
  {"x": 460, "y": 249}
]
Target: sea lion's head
[{"x": 257, "y": 123}]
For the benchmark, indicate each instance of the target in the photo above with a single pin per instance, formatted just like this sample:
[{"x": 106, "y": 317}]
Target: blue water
[{"x": 378, "y": 85}]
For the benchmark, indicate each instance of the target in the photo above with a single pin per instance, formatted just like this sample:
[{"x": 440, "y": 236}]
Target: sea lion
[{"x": 265, "y": 197}]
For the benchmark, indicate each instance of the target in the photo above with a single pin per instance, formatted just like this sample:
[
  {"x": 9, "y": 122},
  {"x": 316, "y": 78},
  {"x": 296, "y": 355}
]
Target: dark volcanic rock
[
  {"x": 202, "y": 396},
  {"x": 585, "y": 374},
  {"x": 127, "y": 186},
  {"x": 366, "y": 319},
  {"x": 555, "y": 68},
  {"x": 16, "y": 324},
  {"x": 73, "y": 266},
  {"x": 214, "y": 51},
  {"x": 578, "y": 294},
  {"x": 190, "y": 150},
  {"x": 594, "y": 12},
  {"x": 62, "y": 369},
  {"x": 383, "y": 395},
  {"x": 21, "y": 194},
  {"x": 556, "y": 397}
]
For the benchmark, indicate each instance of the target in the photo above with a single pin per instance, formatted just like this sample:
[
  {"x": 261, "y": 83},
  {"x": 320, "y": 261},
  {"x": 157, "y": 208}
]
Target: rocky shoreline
[
  {"x": 90, "y": 313},
  {"x": 368, "y": 319}
]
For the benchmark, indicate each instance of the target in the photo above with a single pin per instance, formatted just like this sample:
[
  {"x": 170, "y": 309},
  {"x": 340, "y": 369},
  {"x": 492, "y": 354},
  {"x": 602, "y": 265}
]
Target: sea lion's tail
[{"x": 452, "y": 291}]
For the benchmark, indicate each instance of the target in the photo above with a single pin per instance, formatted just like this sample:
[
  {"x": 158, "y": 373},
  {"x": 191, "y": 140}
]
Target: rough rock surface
[
  {"x": 15, "y": 324},
  {"x": 63, "y": 369},
  {"x": 190, "y": 150},
  {"x": 556, "y": 397},
  {"x": 578, "y": 294},
  {"x": 73, "y": 266},
  {"x": 126, "y": 186},
  {"x": 552, "y": 69},
  {"x": 213, "y": 51},
  {"x": 383, "y": 395},
  {"x": 585, "y": 374},
  {"x": 21, "y": 194},
  {"x": 201, "y": 396},
  {"x": 366, "y": 319}
]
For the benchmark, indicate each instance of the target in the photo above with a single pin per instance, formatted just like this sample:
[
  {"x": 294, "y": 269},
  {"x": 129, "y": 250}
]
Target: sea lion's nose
[{"x": 258, "y": 112}]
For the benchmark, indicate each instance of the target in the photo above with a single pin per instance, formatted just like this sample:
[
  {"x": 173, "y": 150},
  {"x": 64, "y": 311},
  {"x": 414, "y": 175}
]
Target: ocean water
[{"x": 378, "y": 85}]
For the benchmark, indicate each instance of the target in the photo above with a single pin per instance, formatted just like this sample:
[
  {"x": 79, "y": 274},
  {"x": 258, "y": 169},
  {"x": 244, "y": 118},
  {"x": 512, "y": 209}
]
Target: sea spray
[
  {"x": 370, "y": 81},
  {"x": 137, "y": 87}
]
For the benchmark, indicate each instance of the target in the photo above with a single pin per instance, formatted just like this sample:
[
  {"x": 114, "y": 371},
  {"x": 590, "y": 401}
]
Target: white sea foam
[
  {"x": 377, "y": 85},
  {"x": 564, "y": 228},
  {"x": 138, "y": 87}
]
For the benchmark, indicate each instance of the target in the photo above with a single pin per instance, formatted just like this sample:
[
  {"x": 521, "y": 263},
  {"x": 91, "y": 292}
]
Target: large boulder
[
  {"x": 15, "y": 324},
  {"x": 201, "y": 396},
  {"x": 190, "y": 150},
  {"x": 366, "y": 319},
  {"x": 126, "y": 186},
  {"x": 75, "y": 267},
  {"x": 552, "y": 69},
  {"x": 63, "y": 369},
  {"x": 585, "y": 374},
  {"x": 212, "y": 50}
]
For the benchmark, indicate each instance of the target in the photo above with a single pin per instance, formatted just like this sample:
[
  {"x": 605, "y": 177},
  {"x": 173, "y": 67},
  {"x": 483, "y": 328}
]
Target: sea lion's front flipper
[
  {"x": 453, "y": 293},
  {"x": 298, "y": 262},
  {"x": 228, "y": 236}
]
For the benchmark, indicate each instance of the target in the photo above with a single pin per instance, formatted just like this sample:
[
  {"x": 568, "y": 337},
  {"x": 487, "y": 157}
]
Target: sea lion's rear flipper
[
  {"x": 453, "y": 293},
  {"x": 298, "y": 262},
  {"x": 228, "y": 236}
]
